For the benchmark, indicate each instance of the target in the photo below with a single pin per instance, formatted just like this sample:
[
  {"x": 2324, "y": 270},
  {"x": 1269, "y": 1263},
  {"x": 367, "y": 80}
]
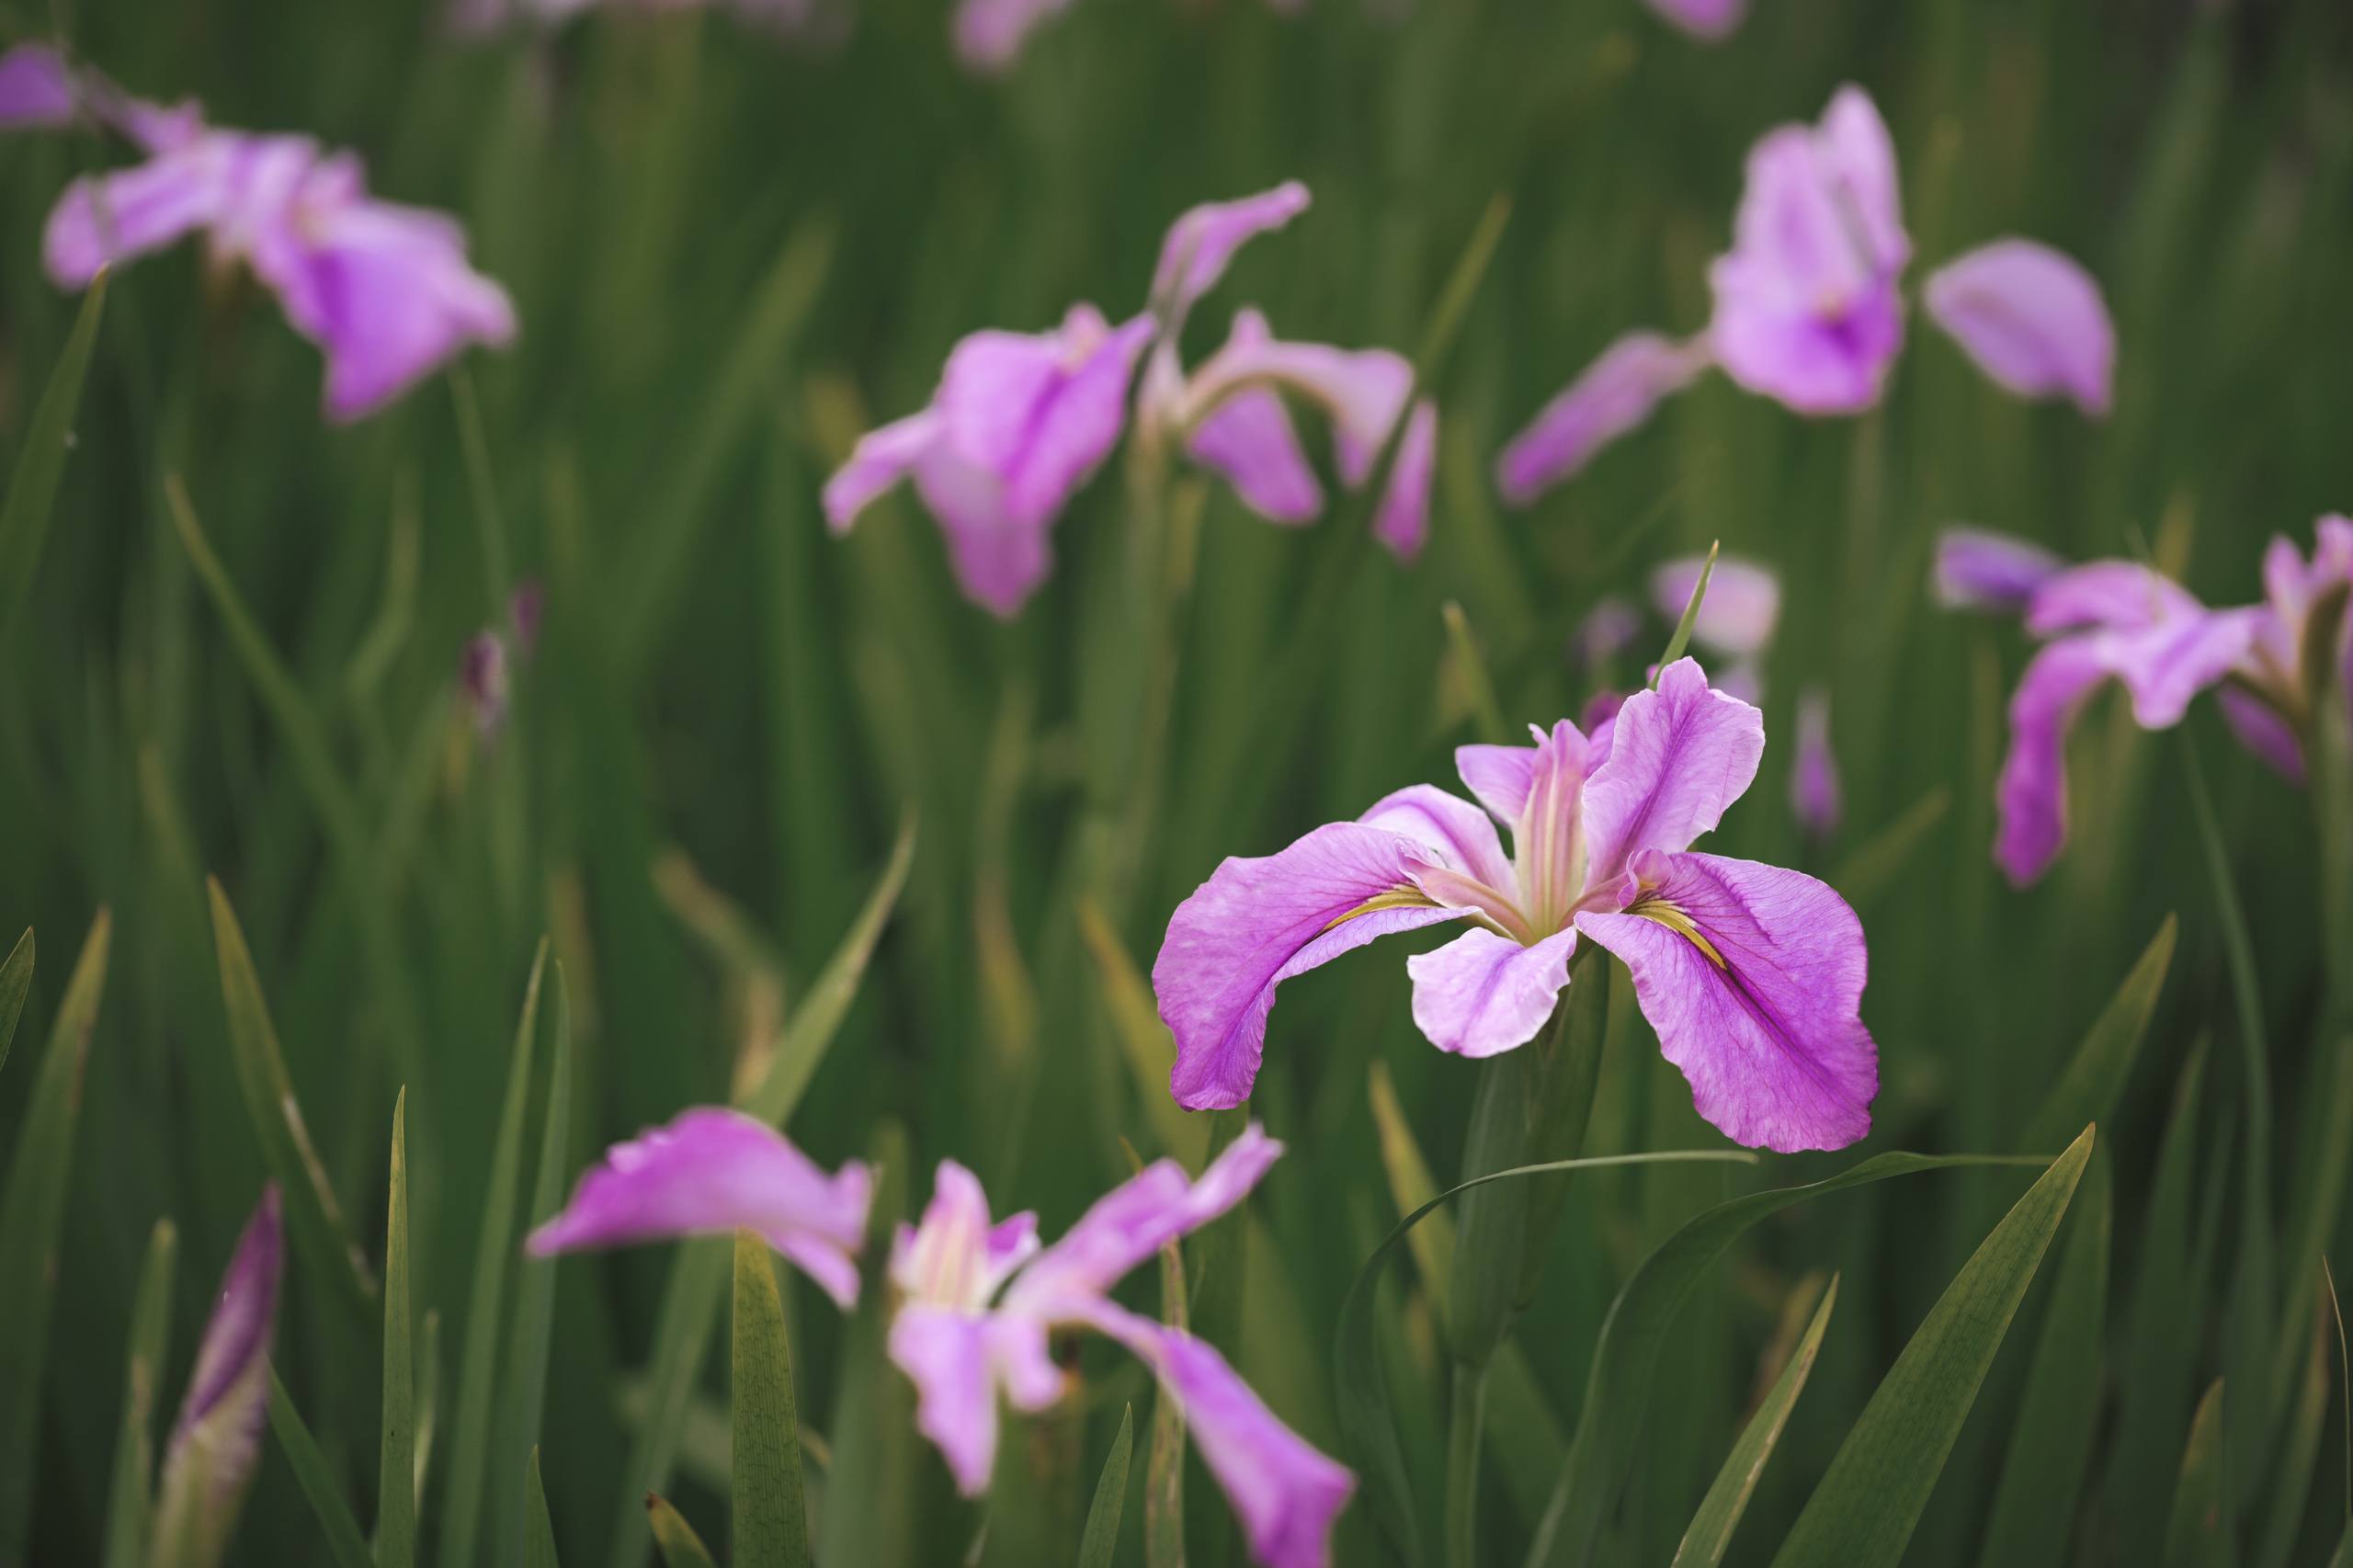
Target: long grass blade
[
  {"x": 2197, "y": 1534},
  {"x": 32, "y": 1211},
  {"x": 525, "y": 1395},
  {"x": 771, "y": 1522},
  {"x": 538, "y": 1529},
  {"x": 1711, "y": 1530},
  {"x": 16, "y": 981},
  {"x": 2095, "y": 1079},
  {"x": 1102, "y": 1538},
  {"x": 32, "y": 487},
  {"x": 1681, "y": 639},
  {"x": 396, "y": 1457},
  {"x": 129, "y": 1494},
  {"x": 674, "y": 1537},
  {"x": 345, "y": 1546}
]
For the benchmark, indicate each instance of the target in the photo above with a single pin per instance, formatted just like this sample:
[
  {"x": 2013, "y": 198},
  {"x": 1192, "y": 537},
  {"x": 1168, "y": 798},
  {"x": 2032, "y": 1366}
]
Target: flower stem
[{"x": 1465, "y": 1424}]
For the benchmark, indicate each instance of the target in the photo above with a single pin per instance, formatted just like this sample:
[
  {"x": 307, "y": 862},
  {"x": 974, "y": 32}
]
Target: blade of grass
[
  {"x": 524, "y": 1394},
  {"x": 322, "y": 1237},
  {"x": 2292, "y": 1488},
  {"x": 478, "y": 1361},
  {"x": 16, "y": 981},
  {"x": 674, "y": 1537},
  {"x": 2087, "y": 1091},
  {"x": 871, "y": 1475},
  {"x": 347, "y": 1547},
  {"x": 2197, "y": 1536},
  {"x": 1471, "y": 669},
  {"x": 1682, "y": 636},
  {"x": 396, "y": 1456},
  {"x": 1102, "y": 1538},
  {"x": 1873, "y": 866},
  {"x": 539, "y": 1530},
  {"x": 129, "y": 1496},
  {"x": 1711, "y": 1530},
  {"x": 770, "y": 1527},
  {"x": 1862, "y": 1514},
  {"x": 1634, "y": 1333},
  {"x": 32, "y": 487},
  {"x": 32, "y": 1209}
]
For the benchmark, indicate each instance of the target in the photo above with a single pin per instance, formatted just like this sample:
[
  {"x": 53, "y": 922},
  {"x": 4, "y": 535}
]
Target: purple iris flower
[
  {"x": 1815, "y": 797},
  {"x": 1980, "y": 569},
  {"x": 2125, "y": 621},
  {"x": 1809, "y": 305},
  {"x": 385, "y": 291},
  {"x": 977, "y": 1301},
  {"x": 217, "y": 1437},
  {"x": 712, "y": 1171},
  {"x": 37, "y": 89},
  {"x": 1021, "y": 421},
  {"x": 1751, "y": 975}
]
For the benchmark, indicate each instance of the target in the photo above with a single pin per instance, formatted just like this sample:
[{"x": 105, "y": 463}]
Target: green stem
[{"x": 1466, "y": 1423}]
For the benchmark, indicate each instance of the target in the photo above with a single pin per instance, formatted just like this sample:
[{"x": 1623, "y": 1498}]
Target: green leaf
[
  {"x": 2300, "y": 1450},
  {"x": 322, "y": 1237},
  {"x": 16, "y": 980},
  {"x": 1710, "y": 1529},
  {"x": 1470, "y": 670},
  {"x": 874, "y": 1413},
  {"x": 32, "y": 1208},
  {"x": 1102, "y": 1537},
  {"x": 2087, "y": 1091},
  {"x": 675, "y": 1538},
  {"x": 1682, "y": 636},
  {"x": 396, "y": 1456},
  {"x": 1617, "y": 1388},
  {"x": 478, "y": 1360},
  {"x": 1367, "y": 1427},
  {"x": 1163, "y": 1466},
  {"x": 2051, "y": 1444},
  {"x": 129, "y": 1498},
  {"x": 527, "y": 1356},
  {"x": 699, "y": 1273},
  {"x": 770, "y": 1523},
  {"x": 346, "y": 1546},
  {"x": 2196, "y": 1534},
  {"x": 1872, "y": 867},
  {"x": 539, "y": 1530},
  {"x": 32, "y": 488},
  {"x": 1863, "y": 1512}
]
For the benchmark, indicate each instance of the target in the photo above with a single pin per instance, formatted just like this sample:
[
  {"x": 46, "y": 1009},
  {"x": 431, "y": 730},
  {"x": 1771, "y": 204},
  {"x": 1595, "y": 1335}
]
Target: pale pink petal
[
  {"x": 1482, "y": 994},
  {"x": 2262, "y": 731},
  {"x": 989, "y": 33},
  {"x": 1616, "y": 393},
  {"x": 1249, "y": 438},
  {"x": 1678, "y": 756},
  {"x": 946, "y": 1354},
  {"x": 1403, "y": 519},
  {"x": 110, "y": 218},
  {"x": 1712, "y": 20},
  {"x": 1202, "y": 242},
  {"x": 1135, "y": 1221},
  {"x": 2032, "y": 319},
  {"x": 1450, "y": 828},
  {"x": 1499, "y": 776},
  {"x": 1980, "y": 569},
  {"x": 879, "y": 461},
  {"x": 2119, "y": 593},
  {"x": 954, "y": 1257}
]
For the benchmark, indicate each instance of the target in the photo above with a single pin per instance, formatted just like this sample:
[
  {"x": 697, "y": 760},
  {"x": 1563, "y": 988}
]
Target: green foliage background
[{"x": 730, "y": 255}]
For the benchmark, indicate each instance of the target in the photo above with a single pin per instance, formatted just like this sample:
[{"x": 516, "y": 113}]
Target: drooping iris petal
[
  {"x": 1980, "y": 569},
  {"x": 2262, "y": 731},
  {"x": 1249, "y": 438},
  {"x": 1741, "y": 611},
  {"x": 1482, "y": 994},
  {"x": 1816, "y": 797},
  {"x": 2031, "y": 793},
  {"x": 2111, "y": 594},
  {"x": 1616, "y": 393},
  {"x": 1135, "y": 1219},
  {"x": 1362, "y": 390},
  {"x": 1708, "y": 20},
  {"x": 1401, "y": 521},
  {"x": 2031, "y": 317},
  {"x": 1857, "y": 158},
  {"x": 1678, "y": 756},
  {"x": 1201, "y": 243},
  {"x": 217, "y": 1437},
  {"x": 945, "y": 1352},
  {"x": 1258, "y": 922},
  {"x": 36, "y": 88},
  {"x": 881, "y": 459},
  {"x": 954, "y": 1257},
  {"x": 712, "y": 1171},
  {"x": 1752, "y": 978},
  {"x": 1285, "y": 1492},
  {"x": 1457, "y": 833},
  {"x": 110, "y": 218}
]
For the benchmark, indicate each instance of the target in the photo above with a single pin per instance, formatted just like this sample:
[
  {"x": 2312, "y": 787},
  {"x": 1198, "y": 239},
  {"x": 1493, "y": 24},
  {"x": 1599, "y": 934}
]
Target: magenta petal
[
  {"x": 712, "y": 1171},
  {"x": 1249, "y": 438},
  {"x": 1040, "y": 410},
  {"x": 1402, "y": 520},
  {"x": 1980, "y": 569},
  {"x": 216, "y": 1440},
  {"x": 2030, "y": 796},
  {"x": 954, "y": 1257},
  {"x": 1459, "y": 834},
  {"x": 1255, "y": 924},
  {"x": 1284, "y": 1491},
  {"x": 1741, "y": 611},
  {"x": 2262, "y": 731},
  {"x": 2120, "y": 594},
  {"x": 1482, "y": 994},
  {"x": 946, "y": 1354},
  {"x": 1135, "y": 1219},
  {"x": 1678, "y": 756},
  {"x": 1711, "y": 20},
  {"x": 989, "y": 33},
  {"x": 109, "y": 218},
  {"x": 1500, "y": 776},
  {"x": 1201, "y": 243},
  {"x": 2032, "y": 319},
  {"x": 1767, "y": 1028},
  {"x": 36, "y": 88},
  {"x": 1816, "y": 797},
  {"x": 879, "y": 461},
  {"x": 1616, "y": 393},
  {"x": 1362, "y": 390}
]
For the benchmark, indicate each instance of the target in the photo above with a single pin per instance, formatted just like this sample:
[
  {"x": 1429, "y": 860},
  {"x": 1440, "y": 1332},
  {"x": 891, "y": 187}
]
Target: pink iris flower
[
  {"x": 216, "y": 1439},
  {"x": 1751, "y": 975},
  {"x": 1816, "y": 798},
  {"x": 974, "y": 1301},
  {"x": 1809, "y": 305},
  {"x": 383, "y": 289},
  {"x": 2126, "y": 621},
  {"x": 1021, "y": 421}
]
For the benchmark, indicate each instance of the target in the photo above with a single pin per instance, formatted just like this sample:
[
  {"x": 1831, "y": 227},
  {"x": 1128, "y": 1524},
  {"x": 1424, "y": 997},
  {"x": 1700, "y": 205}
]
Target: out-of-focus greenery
[{"x": 730, "y": 255}]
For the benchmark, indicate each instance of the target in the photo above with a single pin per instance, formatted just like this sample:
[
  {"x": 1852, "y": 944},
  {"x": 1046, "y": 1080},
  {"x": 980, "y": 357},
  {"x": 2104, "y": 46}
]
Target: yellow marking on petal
[
  {"x": 1673, "y": 917},
  {"x": 1395, "y": 898}
]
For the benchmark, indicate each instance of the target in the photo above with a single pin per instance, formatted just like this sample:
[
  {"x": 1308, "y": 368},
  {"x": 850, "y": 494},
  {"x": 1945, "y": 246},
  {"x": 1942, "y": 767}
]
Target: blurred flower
[
  {"x": 482, "y": 678},
  {"x": 525, "y": 611},
  {"x": 1608, "y": 629},
  {"x": 1809, "y": 306},
  {"x": 977, "y": 1300},
  {"x": 1980, "y": 569},
  {"x": 2125, "y": 621},
  {"x": 712, "y": 1171},
  {"x": 1751, "y": 975},
  {"x": 1708, "y": 20},
  {"x": 210, "y": 1461},
  {"x": 37, "y": 89},
  {"x": 1737, "y": 619},
  {"x": 1021, "y": 421},
  {"x": 989, "y": 33},
  {"x": 384, "y": 290},
  {"x": 1816, "y": 797}
]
